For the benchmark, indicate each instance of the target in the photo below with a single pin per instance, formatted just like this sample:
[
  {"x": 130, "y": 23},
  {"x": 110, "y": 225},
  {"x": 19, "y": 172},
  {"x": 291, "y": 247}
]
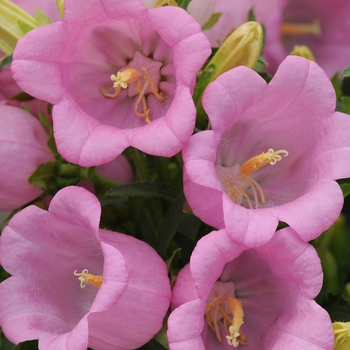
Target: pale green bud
[
  {"x": 341, "y": 335},
  {"x": 241, "y": 48},
  {"x": 159, "y": 3},
  {"x": 60, "y": 6},
  {"x": 14, "y": 24},
  {"x": 302, "y": 51}
]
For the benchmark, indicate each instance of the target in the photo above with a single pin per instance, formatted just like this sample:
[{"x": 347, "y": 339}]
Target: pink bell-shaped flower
[
  {"x": 230, "y": 296},
  {"x": 273, "y": 154},
  {"x": 73, "y": 285},
  {"x": 118, "y": 74},
  {"x": 22, "y": 149}
]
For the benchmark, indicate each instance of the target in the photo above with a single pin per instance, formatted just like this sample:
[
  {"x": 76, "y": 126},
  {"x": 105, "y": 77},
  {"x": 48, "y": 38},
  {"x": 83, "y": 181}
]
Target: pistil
[
  {"x": 85, "y": 277},
  {"x": 255, "y": 163},
  {"x": 143, "y": 81},
  {"x": 296, "y": 29},
  {"x": 238, "y": 185},
  {"x": 228, "y": 312}
]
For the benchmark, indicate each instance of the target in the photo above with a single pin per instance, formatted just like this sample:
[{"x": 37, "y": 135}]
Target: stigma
[
  {"x": 226, "y": 312},
  {"x": 86, "y": 278},
  {"x": 143, "y": 81},
  {"x": 255, "y": 163}
]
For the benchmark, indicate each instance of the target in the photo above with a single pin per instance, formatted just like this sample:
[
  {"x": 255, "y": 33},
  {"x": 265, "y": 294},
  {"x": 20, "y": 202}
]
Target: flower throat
[
  {"x": 142, "y": 81},
  {"x": 242, "y": 187},
  {"x": 229, "y": 312}
]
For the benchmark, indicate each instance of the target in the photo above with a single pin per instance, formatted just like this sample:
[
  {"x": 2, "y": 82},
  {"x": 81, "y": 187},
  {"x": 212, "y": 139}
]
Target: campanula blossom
[
  {"x": 229, "y": 297},
  {"x": 23, "y": 147},
  {"x": 73, "y": 285},
  {"x": 118, "y": 74},
  {"x": 273, "y": 154}
]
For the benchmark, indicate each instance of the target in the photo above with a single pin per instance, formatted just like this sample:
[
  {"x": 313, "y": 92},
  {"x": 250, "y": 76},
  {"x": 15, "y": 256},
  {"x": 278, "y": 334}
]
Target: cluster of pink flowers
[{"x": 120, "y": 74}]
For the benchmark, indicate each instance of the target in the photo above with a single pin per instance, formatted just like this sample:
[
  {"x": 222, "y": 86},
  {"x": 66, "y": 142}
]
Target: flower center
[
  {"x": 143, "y": 81},
  {"x": 242, "y": 188},
  {"x": 296, "y": 29},
  {"x": 85, "y": 277},
  {"x": 229, "y": 312}
]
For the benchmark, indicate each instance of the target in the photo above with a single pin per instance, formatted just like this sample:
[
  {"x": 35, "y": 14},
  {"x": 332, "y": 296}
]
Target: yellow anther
[
  {"x": 85, "y": 277},
  {"x": 255, "y": 163},
  {"x": 295, "y": 29},
  {"x": 125, "y": 77},
  {"x": 229, "y": 311},
  {"x": 131, "y": 75}
]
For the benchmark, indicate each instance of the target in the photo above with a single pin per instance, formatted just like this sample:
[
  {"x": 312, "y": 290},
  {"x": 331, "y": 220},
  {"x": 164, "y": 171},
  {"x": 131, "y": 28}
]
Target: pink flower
[
  {"x": 272, "y": 155},
  {"x": 118, "y": 74},
  {"x": 8, "y": 87},
  {"x": 22, "y": 149},
  {"x": 259, "y": 297},
  {"x": 119, "y": 169},
  {"x": 119, "y": 303}
]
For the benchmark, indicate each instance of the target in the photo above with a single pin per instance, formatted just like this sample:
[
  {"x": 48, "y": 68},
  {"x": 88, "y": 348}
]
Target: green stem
[
  {"x": 141, "y": 165},
  {"x": 93, "y": 176}
]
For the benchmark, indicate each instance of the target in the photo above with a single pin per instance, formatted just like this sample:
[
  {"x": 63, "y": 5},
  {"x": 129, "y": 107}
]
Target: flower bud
[
  {"x": 22, "y": 149},
  {"x": 241, "y": 48},
  {"x": 341, "y": 335},
  {"x": 303, "y": 51},
  {"x": 60, "y": 6},
  {"x": 15, "y": 23}
]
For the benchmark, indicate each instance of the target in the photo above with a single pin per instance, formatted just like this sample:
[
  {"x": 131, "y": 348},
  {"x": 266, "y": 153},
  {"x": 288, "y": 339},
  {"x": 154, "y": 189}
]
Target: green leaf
[
  {"x": 51, "y": 143},
  {"x": 203, "y": 80},
  {"x": 212, "y": 20},
  {"x": 202, "y": 83},
  {"x": 22, "y": 96},
  {"x": 169, "y": 224},
  {"x": 142, "y": 189},
  {"x": 346, "y": 72},
  {"x": 41, "y": 18},
  {"x": 251, "y": 16},
  {"x": 7, "y": 345},
  {"x": 335, "y": 239},
  {"x": 183, "y": 3},
  {"x": 345, "y": 187},
  {"x": 337, "y": 307},
  {"x": 6, "y": 61},
  {"x": 44, "y": 121},
  {"x": 25, "y": 27},
  {"x": 170, "y": 260},
  {"x": 336, "y": 85},
  {"x": 329, "y": 268},
  {"x": 43, "y": 176},
  {"x": 152, "y": 345},
  {"x": 346, "y": 104}
]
